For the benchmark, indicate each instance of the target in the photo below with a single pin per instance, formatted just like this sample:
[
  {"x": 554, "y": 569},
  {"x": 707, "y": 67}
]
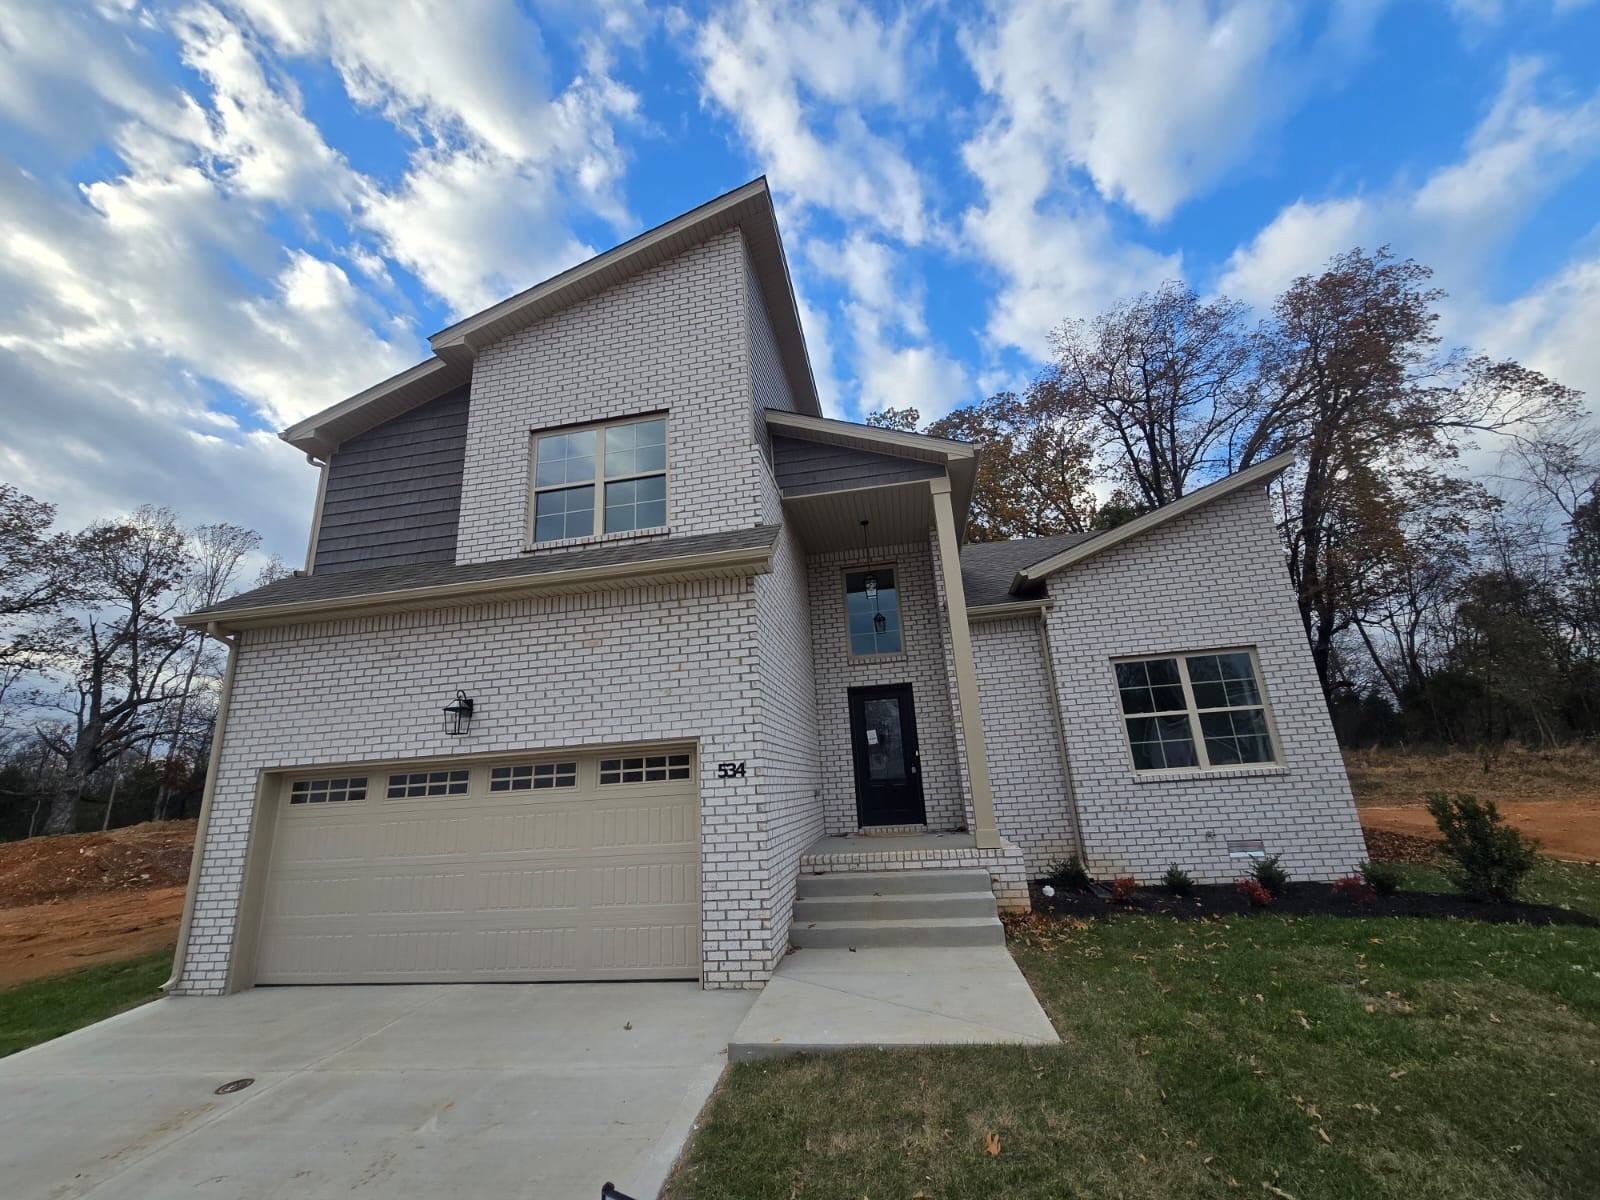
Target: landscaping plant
[
  {"x": 1382, "y": 877},
  {"x": 1123, "y": 887},
  {"x": 1252, "y": 891},
  {"x": 1177, "y": 880},
  {"x": 1353, "y": 887},
  {"x": 1488, "y": 857},
  {"x": 1070, "y": 873},
  {"x": 1270, "y": 875}
]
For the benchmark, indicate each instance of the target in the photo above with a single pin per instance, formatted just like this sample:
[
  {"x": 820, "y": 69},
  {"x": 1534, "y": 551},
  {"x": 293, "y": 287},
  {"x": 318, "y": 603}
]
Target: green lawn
[
  {"x": 1321, "y": 1057},
  {"x": 1567, "y": 884},
  {"x": 46, "y": 1008}
]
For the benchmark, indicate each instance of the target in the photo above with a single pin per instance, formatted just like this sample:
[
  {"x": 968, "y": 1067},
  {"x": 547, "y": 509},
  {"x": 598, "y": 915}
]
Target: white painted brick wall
[
  {"x": 1031, "y": 806},
  {"x": 673, "y": 338},
  {"x": 921, "y": 664},
  {"x": 659, "y": 663},
  {"x": 1212, "y": 579}
]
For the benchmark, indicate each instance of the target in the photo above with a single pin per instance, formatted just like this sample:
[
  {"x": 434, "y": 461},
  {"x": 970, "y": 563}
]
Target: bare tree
[{"x": 120, "y": 654}]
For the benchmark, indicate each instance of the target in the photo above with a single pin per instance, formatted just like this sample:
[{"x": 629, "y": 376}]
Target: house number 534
[{"x": 730, "y": 770}]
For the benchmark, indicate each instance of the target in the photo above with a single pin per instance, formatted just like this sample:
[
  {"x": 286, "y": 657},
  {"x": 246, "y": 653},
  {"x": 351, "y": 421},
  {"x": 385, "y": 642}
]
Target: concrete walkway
[
  {"x": 467, "y": 1090},
  {"x": 821, "y": 1000}
]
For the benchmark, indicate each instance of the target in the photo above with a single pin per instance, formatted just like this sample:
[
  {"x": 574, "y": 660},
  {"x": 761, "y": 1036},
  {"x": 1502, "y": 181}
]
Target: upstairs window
[
  {"x": 1195, "y": 712},
  {"x": 604, "y": 479},
  {"x": 872, "y": 607}
]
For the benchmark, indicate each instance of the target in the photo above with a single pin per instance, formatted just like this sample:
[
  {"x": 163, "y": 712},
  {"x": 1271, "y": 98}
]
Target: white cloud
[
  {"x": 1152, "y": 99},
  {"x": 1456, "y": 219},
  {"x": 1552, "y": 328},
  {"x": 795, "y": 79}
]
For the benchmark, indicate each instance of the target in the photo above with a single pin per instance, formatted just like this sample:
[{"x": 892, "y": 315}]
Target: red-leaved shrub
[
  {"x": 1123, "y": 888},
  {"x": 1353, "y": 887},
  {"x": 1252, "y": 891}
]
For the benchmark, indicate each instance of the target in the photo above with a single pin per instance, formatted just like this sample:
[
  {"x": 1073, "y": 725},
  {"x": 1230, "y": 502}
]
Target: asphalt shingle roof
[
  {"x": 303, "y": 589},
  {"x": 987, "y": 568}
]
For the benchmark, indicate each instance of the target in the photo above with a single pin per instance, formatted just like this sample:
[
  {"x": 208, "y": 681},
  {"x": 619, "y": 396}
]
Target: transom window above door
[
  {"x": 603, "y": 479},
  {"x": 1193, "y": 712},
  {"x": 872, "y": 607}
]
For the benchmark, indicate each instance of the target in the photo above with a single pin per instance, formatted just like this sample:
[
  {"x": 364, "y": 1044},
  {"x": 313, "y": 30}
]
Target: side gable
[{"x": 393, "y": 493}]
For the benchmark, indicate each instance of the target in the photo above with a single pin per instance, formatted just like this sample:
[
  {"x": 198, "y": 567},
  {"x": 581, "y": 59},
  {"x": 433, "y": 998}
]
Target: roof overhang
[
  {"x": 959, "y": 459},
  {"x": 1258, "y": 475},
  {"x": 726, "y": 564},
  {"x": 320, "y": 435},
  {"x": 748, "y": 208}
]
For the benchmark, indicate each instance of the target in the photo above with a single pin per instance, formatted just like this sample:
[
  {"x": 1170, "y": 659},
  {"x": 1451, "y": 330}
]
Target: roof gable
[{"x": 748, "y": 208}]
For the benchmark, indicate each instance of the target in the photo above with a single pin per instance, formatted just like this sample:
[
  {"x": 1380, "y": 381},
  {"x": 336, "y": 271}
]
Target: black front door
[{"x": 883, "y": 736}]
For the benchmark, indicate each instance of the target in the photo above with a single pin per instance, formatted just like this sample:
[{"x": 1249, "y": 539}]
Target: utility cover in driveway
[
  {"x": 397, "y": 1093},
  {"x": 549, "y": 868}
]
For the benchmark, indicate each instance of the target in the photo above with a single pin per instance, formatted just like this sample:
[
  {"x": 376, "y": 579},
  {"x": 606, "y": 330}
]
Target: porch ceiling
[{"x": 896, "y": 514}]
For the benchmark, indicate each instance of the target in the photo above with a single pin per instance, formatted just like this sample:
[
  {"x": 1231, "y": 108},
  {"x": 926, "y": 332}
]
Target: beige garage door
[{"x": 550, "y": 867}]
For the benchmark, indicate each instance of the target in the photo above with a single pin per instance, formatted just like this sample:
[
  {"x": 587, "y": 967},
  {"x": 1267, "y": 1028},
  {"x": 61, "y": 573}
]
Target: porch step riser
[
  {"x": 913, "y": 882},
  {"x": 894, "y": 907},
  {"x": 955, "y": 931}
]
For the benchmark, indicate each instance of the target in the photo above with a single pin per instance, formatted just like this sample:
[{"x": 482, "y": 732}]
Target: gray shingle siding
[
  {"x": 805, "y": 467},
  {"x": 394, "y": 492}
]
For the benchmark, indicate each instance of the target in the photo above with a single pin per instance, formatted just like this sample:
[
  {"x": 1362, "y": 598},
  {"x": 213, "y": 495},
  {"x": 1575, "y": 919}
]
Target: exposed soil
[
  {"x": 1384, "y": 845},
  {"x": 87, "y": 898},
  {"x": 1301, "y": 899},
  {"x": 1568, "y": 829}
]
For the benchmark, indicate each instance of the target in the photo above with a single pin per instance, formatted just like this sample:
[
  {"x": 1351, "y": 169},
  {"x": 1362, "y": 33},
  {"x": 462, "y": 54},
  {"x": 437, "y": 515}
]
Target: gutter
[
  {"x": 751, "y": 559},
  {"x": 1012, "y": 608},
  {"x": 202, "y": 827}
]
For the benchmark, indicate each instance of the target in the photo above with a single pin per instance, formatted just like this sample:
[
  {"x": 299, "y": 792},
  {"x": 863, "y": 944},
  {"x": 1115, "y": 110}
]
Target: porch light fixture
[
  {"x": 458, "y": 715},
  {"x": 870, "y": 583}
]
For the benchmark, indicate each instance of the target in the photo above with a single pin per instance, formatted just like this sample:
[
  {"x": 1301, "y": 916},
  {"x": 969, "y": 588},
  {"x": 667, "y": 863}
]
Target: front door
[{"x": 883, "y": 734}]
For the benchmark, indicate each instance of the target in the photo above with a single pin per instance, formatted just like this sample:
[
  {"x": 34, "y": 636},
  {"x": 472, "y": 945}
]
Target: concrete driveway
[{"x": 491, "y": 1090}]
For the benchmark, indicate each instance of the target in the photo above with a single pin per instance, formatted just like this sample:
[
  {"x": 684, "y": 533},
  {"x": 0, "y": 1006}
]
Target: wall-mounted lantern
[{"x": 458, "y": 715}]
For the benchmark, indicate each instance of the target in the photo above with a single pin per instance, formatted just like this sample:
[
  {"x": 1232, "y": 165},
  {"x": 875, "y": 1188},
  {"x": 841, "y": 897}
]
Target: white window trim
[
  {"x": 597, "y": 532},
  {"x": 844, "y": 590},
  {"x": 1204, "y": 768}
]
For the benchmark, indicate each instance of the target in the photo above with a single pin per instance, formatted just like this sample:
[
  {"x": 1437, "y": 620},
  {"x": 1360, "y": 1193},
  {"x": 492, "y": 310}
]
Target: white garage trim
[{"x": 505, "y": 866}]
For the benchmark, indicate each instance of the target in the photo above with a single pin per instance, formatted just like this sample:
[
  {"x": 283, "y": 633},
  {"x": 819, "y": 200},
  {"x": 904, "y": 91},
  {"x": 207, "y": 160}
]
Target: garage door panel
[{"x": 587, "y": 881}]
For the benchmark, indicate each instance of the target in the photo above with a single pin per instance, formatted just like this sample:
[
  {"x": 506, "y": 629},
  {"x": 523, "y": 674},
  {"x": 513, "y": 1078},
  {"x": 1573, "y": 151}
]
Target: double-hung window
[
  {"x": 604, "y": 479},
  {"x": 1195, "y": 712}
]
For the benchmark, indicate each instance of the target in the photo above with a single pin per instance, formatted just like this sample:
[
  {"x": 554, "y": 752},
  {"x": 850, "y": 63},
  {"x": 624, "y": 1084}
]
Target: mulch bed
[
  {"x": 1400, "y": 847},
  {"x": 1300, "y": 899}
]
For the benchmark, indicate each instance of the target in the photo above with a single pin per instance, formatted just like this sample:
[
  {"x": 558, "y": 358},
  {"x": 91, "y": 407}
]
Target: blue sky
[{"x": 217, "y": 218}]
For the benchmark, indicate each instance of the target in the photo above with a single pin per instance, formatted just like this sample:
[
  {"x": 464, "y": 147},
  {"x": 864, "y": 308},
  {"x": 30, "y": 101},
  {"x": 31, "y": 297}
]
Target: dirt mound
[
  {"x": 62, "y": 935},
  {"x": 1387, "y": 846},
  {"x": 1567, "y": 829},
  {"x": 139, "y": 858}
]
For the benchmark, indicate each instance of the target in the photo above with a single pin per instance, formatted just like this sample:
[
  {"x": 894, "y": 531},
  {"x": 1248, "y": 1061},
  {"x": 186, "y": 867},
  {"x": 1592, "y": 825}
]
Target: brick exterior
[
  {"x": 758, "y": 670},
  {"x": 920, "y": 664},
  {"x": 1211, "y": 579},
  {"x": 673, "y": 338},
  {"x": 1008, "y": 876},
  {"x": 1031, "y": 806}
]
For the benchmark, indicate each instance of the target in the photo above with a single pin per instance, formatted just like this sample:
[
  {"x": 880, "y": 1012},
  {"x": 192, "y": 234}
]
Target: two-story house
[{"x": 606, "y": 635}]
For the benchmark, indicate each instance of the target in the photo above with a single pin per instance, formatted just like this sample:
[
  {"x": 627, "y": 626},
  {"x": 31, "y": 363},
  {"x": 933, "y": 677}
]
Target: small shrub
[
  {"x": 1270, "y": 875},
  {"x": 1252, "y": 891},
  {"x": 1123, "y": 887},
  {"x": 1070, "y": 873},
  {"x": 1177, "y": 880},
  {"x": 1489, "y": 857},
  {"x": 1382, "y": 877},
  {"x": 1353, "y": 887}
]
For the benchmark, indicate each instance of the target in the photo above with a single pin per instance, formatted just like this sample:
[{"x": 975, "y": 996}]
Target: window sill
[
  {"x": 597, "y": 539},
  {"x": 1205, "y": 776}
]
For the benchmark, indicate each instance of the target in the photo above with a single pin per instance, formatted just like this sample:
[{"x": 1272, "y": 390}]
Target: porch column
[{"x": 986, "y": 833}]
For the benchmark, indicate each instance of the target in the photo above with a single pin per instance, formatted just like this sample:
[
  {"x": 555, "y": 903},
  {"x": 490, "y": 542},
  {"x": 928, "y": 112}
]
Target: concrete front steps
[{"x": 856, "y": 909}]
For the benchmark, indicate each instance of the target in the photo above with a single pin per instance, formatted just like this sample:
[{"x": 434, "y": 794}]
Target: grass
[
  {"x": 1571, "y": 885},
  {"x": 1322, "y": 1057},
  {"x": 42, "y": 1009},
  {"x": 1405, "y": 776}
]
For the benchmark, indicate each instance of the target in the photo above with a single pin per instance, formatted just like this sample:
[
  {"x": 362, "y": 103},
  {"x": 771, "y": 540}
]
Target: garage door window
[
  {"x": 523, "y": 777},
  {"x": 427, "y": 783},
  {"x": 327, "y": 791},
  {"x": 647, "y": 768}
]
